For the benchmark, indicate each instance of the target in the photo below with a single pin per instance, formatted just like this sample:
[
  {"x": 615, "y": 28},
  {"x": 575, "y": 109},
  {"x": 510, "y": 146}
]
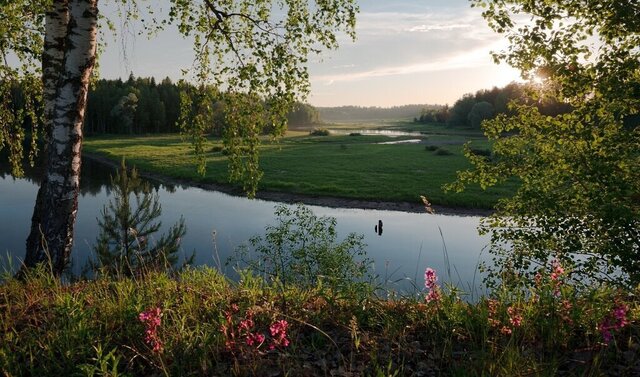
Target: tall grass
[{"x": 93, "y": 328}]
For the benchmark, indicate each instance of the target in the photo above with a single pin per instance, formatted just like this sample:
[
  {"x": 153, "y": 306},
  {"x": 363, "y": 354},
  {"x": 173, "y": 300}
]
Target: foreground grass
[
  {"x": 355, "y": 167},
  {"x": 94, "y": 328}
]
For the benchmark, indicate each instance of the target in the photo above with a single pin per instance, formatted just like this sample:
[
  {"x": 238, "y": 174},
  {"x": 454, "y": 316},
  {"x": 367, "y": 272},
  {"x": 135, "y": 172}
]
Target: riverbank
[
  {"x": 197, "y": 322},
  {"x": 292, "y": 198}
]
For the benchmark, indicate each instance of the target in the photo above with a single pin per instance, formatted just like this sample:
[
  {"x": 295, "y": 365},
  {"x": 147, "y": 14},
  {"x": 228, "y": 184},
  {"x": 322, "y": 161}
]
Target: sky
[{"x": 405, "y": 52}]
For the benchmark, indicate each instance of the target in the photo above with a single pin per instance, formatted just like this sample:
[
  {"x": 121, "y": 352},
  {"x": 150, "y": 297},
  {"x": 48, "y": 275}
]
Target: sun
[{"x": 506, "y": 75}]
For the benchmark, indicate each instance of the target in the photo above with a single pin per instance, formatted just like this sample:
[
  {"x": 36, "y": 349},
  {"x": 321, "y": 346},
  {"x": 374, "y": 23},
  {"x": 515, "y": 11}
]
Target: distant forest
[
  {"x": 143, "y": 106},
  {"x": 471, "y": 109},
  {"x": 140, "y": 105},
  {"x": 361, "y": 113}
]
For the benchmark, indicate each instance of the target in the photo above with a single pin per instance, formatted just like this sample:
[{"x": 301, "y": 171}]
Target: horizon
[{"x": 405, "y": 53}]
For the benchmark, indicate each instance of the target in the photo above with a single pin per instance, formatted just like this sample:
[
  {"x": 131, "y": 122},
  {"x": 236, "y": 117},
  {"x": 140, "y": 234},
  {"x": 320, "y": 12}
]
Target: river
[{"x": 410, "y": 242}]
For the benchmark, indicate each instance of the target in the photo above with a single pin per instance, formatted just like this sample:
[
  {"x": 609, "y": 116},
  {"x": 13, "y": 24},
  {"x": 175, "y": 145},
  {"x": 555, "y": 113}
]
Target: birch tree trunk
[{"x": 68, "y": 61}]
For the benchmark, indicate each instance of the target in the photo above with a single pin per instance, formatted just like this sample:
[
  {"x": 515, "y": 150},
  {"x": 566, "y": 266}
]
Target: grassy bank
[
  {"x": 354, "y": 167},
  {"x": 199, "y": 323}
]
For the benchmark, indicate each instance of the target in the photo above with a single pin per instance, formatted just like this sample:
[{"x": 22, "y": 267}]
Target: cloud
[
  {"x": 438, "y": 27},
  {"x": 466, "y": 59},
  {"x": 343, "y": 66}
]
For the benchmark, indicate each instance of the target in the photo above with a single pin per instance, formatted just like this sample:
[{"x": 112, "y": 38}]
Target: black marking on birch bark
[{"x": 57, "y": 202}]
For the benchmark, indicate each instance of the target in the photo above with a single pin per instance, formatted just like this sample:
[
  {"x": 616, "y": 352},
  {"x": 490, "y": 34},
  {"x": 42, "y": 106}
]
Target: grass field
[{"x": 355, "y": 167}]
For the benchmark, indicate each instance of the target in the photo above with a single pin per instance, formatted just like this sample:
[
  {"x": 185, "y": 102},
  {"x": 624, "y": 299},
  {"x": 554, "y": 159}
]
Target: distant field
[{"x": 341, "y": 166}]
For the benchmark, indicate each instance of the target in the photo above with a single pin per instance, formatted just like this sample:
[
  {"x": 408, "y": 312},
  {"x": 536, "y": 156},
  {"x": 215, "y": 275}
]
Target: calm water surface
[{"x": 410, "y": 241}]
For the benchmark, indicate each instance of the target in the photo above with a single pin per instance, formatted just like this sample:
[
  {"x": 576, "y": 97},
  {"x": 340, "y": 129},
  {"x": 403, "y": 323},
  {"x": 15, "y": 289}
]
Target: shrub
[
  {"x": 319, "y": 132},
  {"x": 430, "y": 148},
  {"x": 302, "y": 250},
  {"x": 481, "y": 152},
  {"x": 217, "y": 148},
  {"x": 355, "y": 134},
  {"x": 443, "y": 152}
]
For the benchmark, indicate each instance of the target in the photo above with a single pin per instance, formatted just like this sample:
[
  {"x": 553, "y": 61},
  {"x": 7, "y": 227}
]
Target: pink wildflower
[
  {"x": 605, "y": 330},
  {"x": 279, "y": 334},
  {"x": 255, "y": 338},
  {"x": 430, "y": 282},
  {"x": 433, "y": 295},
  {"x": 538, "y": 279},
  {"x": 565, "y": 313},
  {"x": 620, "y": 314},
  {"x": 152, "y": 321},
  {"x": 514, "y": 317},
  {"x": 557, "y": 270},
  {"x": 430, "y": 278},
  {"x": 505, "y": 330},
  {"x": 246, "y": 324}
]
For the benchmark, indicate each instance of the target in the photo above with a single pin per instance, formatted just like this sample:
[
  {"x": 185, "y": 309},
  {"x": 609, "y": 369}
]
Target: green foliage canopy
[
  {"x": 579, "y": 198},
  {"x": 21, "y": 39},
  {"x": 479, "y": 112},
  {"x": 256, "y": 51}
]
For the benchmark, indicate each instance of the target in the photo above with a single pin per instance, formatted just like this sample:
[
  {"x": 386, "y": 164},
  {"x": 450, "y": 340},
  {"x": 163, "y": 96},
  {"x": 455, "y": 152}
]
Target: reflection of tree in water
[
  {"x": 31, "y": 174},
  {"x": 94, "y": 176}
]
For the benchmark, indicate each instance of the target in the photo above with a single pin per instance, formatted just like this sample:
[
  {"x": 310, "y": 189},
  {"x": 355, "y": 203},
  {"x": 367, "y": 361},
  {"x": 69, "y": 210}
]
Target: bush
[
  {"x": 302, "y": 250},
  {"x": 443, "y": 152},
  {"x": 355, "y": 134},
  {"x": 481, "y": 152},
  {"x": 217, "y": 148},
  {"x": 430, "y": 148},
  {"x": 319, "y": 132}
]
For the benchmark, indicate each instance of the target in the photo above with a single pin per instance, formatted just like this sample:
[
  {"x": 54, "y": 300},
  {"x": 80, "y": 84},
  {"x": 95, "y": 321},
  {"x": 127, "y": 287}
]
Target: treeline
[
  {"x": 139, "y": 106},
  {"x": 143, "y": 106},
  {"x": 471, "y": 109},
  {"x": 360, "y": 113},
  {"x": 136, "y": 106}
]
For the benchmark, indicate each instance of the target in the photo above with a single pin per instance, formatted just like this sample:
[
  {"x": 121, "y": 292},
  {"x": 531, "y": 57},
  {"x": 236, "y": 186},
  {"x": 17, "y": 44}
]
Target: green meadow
[{"x": 337, "y": 165}]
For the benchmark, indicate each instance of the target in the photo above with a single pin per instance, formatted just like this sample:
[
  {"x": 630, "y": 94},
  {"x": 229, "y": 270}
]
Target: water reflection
[
  {"x": 410, "y": 242},
  {"x": 369, "y": 132}
]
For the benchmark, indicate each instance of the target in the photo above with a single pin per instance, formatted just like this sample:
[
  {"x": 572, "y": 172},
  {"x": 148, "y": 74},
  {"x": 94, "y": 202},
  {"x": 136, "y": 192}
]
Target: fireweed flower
[
  {"x": 433, "y": 295},
  {"x": 254, "y": 339},
  {"x": 605, "y": 330},
  {"x": 616, "y": 320},
  {"x": 430, "y": 278},
  {"x": 620, "y": 314},
  {"x": 556, "y": 270},
  {"x": 279, "y": 334},
  {"x": 430, "y": 282},
  {"x": 565, "y": 313},
  {"x": 514, "y": 317},
  {"x": 505, "y": 330},
  {"x": 152, "y": 320}
]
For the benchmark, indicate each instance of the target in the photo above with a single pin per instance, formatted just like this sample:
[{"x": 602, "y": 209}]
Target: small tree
[
  {"x": 302, "y": 250},
  {"x": 125, "y": 246},
  {"x": 461, "y": 109},
  {"x": 479, "y": 112}
]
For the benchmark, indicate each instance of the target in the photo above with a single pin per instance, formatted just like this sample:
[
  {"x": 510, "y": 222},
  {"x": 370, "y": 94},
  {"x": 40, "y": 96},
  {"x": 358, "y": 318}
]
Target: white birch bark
[{"x": 54, "y": 217}]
